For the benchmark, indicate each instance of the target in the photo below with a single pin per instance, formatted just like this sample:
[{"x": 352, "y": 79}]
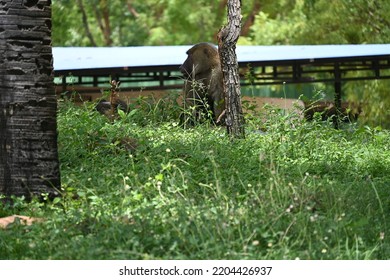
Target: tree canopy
[{"x": 177, "y": 22}]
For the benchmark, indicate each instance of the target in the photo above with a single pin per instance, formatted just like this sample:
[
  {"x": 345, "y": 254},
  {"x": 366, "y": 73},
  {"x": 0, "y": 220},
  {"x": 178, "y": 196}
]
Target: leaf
[
  {"x": 56, "y": 200},
  {"x": 133, "y": 112},
  {"x": 159, "y": 177},
  {"x": 121, "y": 113}
]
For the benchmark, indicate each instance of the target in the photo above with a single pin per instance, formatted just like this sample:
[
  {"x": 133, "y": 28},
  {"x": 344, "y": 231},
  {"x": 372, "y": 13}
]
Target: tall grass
[{"x": 142, "y": 187}]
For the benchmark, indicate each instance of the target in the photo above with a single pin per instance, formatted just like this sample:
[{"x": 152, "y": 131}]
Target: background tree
[
  {"x": 28, "y": 136},
  {"x": 141, "y": 22}
]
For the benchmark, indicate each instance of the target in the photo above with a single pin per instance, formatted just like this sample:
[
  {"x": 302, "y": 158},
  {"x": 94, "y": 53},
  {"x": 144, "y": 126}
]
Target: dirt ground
[{"x": 257, "y": 103}]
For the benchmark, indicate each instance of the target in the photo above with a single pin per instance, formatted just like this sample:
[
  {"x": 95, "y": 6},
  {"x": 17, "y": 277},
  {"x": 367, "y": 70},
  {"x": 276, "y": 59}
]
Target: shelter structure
[{"x": 156, "y": 67}]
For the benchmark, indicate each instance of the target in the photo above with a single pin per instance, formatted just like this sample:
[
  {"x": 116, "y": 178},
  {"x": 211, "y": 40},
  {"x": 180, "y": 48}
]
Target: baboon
[
  {"x": 104, "y": 106},
  {"x": 203, "y": 87},
  {"x": 111, "y": 108},
  {"x": 349, "y": 111}
]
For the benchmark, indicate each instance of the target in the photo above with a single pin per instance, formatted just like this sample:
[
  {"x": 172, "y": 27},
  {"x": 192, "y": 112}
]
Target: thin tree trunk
[
  {"x": 131, "y": 9},
  {"x": 98, "y": 18},
  {"x": 227, "y": 40},
  {"x": 28, "y": 129},
  {"x": 85, "y": 23},
  {"x": 103, "y": 18},
  {"x": 107, "y": 25}
]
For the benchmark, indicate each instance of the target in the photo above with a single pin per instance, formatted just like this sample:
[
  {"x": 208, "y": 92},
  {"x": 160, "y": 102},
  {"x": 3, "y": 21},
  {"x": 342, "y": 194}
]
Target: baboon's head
[{"x": 202, "y": 58}]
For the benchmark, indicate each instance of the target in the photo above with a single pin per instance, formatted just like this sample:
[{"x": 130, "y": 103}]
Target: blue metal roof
[{"x": 74, "y": 58}]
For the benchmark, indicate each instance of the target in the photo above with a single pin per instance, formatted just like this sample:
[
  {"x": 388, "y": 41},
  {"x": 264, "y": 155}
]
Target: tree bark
[
  {"x": 227, "y": 40},
  {"x": 28, "y": 129}
]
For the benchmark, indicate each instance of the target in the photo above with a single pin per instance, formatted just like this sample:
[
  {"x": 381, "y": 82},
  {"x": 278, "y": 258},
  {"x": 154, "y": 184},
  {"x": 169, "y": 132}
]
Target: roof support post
[
  {"x": 296, "y": 75},
  {"x": 161, "y": 79},
  {"x": 95, "y": 81},
  {"x": 63, "y": 83},
  {"x": 337, "y": 95},
  {"x": 375, "y": 65}
]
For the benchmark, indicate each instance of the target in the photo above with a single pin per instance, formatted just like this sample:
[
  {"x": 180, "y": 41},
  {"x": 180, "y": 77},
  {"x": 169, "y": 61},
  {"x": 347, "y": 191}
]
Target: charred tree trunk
[
  {"x": 28, "y": 129},
  {"x": 227, "y": 40}
]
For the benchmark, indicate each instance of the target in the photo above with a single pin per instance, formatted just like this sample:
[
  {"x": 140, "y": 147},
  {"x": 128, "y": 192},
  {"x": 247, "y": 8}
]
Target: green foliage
[
  {"x": 313, "y": 22},
  {"x": 322, "y": 22},
  {"x": 124, "y": 28},
  {"x": 278, "y": 29},
  {"x": 297, "y": 190},
  {"x": 347, "y": 22},
  {"x": 146, "y": 22},
  {"x": 64, "y": 31}
]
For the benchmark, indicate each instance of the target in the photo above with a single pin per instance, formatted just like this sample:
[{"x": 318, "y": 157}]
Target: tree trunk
[
  {"x": 227, "y": 40},
  {"x": 28, "y": 129},
  {"x": 107, "y": 24},
  {"x": 102, "y": 15}
]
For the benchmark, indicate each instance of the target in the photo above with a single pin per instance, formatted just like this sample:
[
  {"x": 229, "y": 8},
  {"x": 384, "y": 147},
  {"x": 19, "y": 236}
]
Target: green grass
[{"x": 298, "y": 190}]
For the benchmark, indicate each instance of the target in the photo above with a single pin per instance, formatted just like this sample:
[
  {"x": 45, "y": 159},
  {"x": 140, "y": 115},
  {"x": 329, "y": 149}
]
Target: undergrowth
[{"x": 143, "y": 187}]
